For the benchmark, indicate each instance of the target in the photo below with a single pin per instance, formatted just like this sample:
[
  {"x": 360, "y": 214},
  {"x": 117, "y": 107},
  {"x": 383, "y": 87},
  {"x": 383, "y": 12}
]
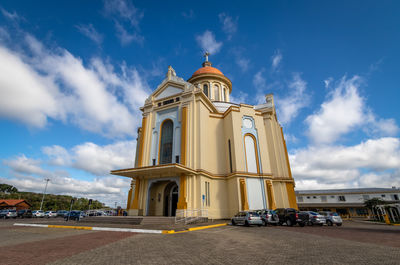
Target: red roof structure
[{"x": 18, "y": 204}]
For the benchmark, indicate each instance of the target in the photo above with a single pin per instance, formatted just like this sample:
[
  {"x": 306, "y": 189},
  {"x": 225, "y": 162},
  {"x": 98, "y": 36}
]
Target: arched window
[
  {"x": 216, "y": 93},
  {"x": 205, "y": 90},
  {"x": 166, "y": 142},
  {"x": 251, "y": 154}
]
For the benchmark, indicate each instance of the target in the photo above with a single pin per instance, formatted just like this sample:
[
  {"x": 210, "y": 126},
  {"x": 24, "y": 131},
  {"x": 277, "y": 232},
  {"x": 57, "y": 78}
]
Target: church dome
[
  {"x": 207, "y": 70},
  {"x": 210, "y": 74}
]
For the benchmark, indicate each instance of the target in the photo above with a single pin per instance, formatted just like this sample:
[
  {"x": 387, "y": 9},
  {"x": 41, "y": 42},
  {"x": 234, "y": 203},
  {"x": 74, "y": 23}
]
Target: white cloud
[
  {"x": 238, "y": 97},
  {"x": 126, "y": 19},
  {"x": 208, "y": 43},
  {"x": 24, "y": 94},
  {"x": 4, "y": 36},
  {"x": 105, "y": 189},
  {"x": 22, "y": 164},
  {"x": 289, "y": 106},
  {"x": 125, "y": 37},
  {"x": 124, "y": 10},
  {"x": 11, "y": 16},
  {"x": 93, "y": 158},
  {"x": 328, "y": 81},
  {"x": 57, "y": 85},
  {"x": 243, "y": 63},
  {"x": 260, "y": 84},
  {"x": 240, "y": 59},
  {"x": 90, "y": 32},
  {"x": 259, "y": 80},
  {"x": 343, "y": 111},
  {"x": 276, "y": 60},
  {"x": 372, "y": 163},
  {"x": 98, "y": 160},
  {"x": 229, "y": 25}
]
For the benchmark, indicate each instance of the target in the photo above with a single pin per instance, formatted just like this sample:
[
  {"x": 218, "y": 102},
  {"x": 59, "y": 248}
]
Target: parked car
[
  {"x": 268, "y": 217},
  {"x": 24, "y": 213},
  {"x": 49, "y": 214},
  {"x": 247, "y": 218},
  {"x": 292, "y": 217},
  {"x": 332, "y": 218},
  {"x": 38, "y": 213},
  {"x": 8, "y": 214},
  {"x": 62, "y": 213},
  {"x": 74, "y": 215},
  {"x": 316, "y": 218}
]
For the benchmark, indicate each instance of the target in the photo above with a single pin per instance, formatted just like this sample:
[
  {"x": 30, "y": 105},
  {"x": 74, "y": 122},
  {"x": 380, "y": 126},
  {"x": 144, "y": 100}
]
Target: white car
[
  {"x": 38, "y": 213},
  {"x": 49, "y": 214}
]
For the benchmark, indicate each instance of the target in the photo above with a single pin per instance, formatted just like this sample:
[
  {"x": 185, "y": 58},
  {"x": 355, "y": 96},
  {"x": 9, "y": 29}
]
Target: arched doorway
[{"x": 170, "y": 199}]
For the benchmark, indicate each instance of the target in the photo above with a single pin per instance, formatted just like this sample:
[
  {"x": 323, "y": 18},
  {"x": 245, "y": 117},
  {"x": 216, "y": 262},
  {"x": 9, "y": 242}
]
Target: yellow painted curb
[
  {"x": 168, "y": 231},
  {"x": 205, "y": 227},
  {"x": 71, "y": 227},
  {"x": 395, "y": 224}
]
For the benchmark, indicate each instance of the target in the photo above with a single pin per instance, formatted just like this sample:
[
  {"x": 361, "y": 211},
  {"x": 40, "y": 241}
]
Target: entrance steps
[
  {"x": 157, "y": 220},
  {"x": 130, "y": 220}
]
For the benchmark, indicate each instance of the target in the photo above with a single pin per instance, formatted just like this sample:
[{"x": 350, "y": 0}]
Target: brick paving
[
  {"x": 44, "y": 251},
  {"x": 352, "y": 243}
]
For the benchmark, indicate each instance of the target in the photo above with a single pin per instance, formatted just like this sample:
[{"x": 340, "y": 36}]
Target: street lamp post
[{"x": 44, "y": 193}]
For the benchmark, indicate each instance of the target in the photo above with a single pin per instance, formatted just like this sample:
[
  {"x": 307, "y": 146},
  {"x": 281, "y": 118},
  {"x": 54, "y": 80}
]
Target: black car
[
  {"x": 74, "y": 215},
  {"x": 292, "y": 217},
  {"x": 25, "y": 213}
]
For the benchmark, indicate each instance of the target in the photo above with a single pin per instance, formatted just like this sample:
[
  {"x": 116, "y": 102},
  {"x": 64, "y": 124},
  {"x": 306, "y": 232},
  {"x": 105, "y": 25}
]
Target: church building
[{"x": 196, "y": 150}]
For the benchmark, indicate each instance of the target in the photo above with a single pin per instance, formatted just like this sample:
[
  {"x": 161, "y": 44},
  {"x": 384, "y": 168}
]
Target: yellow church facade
[{"x": 198, "y": 151}]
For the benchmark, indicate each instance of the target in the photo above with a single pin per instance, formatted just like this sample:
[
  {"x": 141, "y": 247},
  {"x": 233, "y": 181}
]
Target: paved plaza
[{"x": 353, "y": 243}]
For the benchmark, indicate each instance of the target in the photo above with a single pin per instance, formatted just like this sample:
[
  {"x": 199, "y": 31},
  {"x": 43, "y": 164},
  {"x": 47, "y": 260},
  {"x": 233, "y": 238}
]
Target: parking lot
[{"x": 353, "y": 243}]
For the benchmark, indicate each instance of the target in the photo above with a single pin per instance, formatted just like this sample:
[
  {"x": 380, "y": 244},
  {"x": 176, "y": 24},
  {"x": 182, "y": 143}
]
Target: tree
[
  {"x": 8, "y": 188},
  {"x": 372, "y": 203}
]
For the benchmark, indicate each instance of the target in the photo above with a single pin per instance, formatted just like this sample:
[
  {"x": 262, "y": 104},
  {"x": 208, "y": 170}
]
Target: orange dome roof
[{"x": 207, "y": 70}]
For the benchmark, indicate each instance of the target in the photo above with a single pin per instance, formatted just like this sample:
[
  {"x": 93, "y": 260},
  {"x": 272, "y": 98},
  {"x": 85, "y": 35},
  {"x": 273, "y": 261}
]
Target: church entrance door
[{"x": 171, "y": 199}]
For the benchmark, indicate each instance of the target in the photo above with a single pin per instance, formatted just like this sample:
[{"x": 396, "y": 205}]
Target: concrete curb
[
  {"x": 131, "y": 230},
  {"x": 193, "y": 229},
  {"x": 96, "y": 228}
]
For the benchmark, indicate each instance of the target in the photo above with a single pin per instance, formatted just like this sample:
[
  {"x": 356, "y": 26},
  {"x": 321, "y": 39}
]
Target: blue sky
[{"x": 73, "y": 75}]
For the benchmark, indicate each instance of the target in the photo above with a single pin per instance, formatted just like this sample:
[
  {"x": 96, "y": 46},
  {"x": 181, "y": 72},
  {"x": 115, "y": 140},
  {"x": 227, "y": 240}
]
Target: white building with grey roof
[{"x": 347, "y": 202}]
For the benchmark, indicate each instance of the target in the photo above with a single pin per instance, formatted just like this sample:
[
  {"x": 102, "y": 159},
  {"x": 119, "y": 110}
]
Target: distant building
[
  {"x": 344, "y": 201},
  {"x": 14, "y": 204},
  {"x": 196, "y": 150}
]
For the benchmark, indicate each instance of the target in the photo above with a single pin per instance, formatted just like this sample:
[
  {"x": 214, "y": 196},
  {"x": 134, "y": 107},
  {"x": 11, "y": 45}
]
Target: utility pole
[{"x": 44, "y": 193}]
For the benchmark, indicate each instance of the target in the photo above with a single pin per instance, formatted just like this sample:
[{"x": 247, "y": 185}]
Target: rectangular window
[
  {"x": 207, "y": 188},
  {"x": 383, "y": 195},
  {"x": 342, "y": 198},
  {"x": 230, "y": 155},
  {"x": 395, "y": 197}
]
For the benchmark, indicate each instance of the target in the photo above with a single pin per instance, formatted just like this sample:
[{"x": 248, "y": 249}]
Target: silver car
[
  {"x": 268, "y": 217},
  {"x": 332, "y": 218},
  {"x": 316, "y": 218},
  {"x": 9, "y": 214},
  {"x": 247, "y": 218}
]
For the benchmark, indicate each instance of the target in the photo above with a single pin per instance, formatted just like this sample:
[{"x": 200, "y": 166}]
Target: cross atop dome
[
  {"x": 206, "y": 54},
  {"x": 206, "y": 62}
]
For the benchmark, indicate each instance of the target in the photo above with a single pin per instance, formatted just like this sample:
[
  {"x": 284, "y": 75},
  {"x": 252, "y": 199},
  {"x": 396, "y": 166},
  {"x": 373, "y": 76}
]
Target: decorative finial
[
  {"x": 206, "y": 62},
  {"x": 206, "y": 54}
]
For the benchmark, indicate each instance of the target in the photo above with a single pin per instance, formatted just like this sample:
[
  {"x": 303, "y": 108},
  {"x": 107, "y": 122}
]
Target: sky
[{"x": 73, "y": 75}]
